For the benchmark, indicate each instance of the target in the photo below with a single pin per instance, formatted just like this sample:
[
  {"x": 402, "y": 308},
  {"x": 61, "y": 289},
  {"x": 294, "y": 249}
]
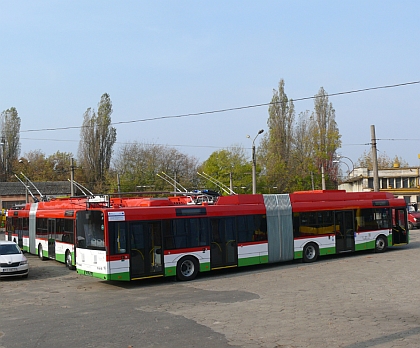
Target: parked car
[
  {"x": 12, "y": 261},
  {"x": 413, "y": 219}
]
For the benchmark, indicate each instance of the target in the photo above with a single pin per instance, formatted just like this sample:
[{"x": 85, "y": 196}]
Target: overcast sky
[{"x": 173, "y": 58}]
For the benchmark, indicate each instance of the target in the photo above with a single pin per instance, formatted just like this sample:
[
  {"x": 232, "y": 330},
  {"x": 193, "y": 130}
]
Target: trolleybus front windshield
[{"x": 90, "y": 230}]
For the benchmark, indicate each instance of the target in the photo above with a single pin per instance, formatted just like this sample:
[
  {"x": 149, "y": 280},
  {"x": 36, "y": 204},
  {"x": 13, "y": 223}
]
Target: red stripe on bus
[
  {"x": 317, "y": 236},
  {"x": 117, "y": 257},
  {"x": 253, "y": 243},
  {"x": 187, "y": 250}
]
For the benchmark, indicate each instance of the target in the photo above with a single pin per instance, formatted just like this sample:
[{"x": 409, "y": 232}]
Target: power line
[
  {"x": 228, "y": 109},
  {"x": 126, "y": 143}
]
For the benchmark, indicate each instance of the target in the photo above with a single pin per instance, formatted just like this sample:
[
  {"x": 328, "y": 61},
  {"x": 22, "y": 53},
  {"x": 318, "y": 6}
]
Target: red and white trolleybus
[
  {"x": 134, "y": 238},
  {"x": 128, "y": 238}
]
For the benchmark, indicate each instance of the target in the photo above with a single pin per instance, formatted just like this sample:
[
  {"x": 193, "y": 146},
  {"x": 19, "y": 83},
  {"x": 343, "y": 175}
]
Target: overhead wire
[{"x": 227, "y": 109}]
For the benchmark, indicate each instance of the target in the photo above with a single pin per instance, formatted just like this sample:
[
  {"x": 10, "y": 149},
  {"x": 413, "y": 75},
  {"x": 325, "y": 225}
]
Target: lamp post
[
  {"x": 254, "y": 163},
  {"x": 3, "y": 157},
  {"x": 26, "y": 181}
]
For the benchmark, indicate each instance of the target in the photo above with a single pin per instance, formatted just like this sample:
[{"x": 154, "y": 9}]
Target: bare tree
[
  {"x": 384, "y": 161},
  {"x": 138, "y": 165}
]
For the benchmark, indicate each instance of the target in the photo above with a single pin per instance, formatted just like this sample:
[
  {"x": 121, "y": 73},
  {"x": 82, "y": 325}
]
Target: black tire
[
  {"x": 381, "y": 244},
  {"x": 187, "y": 268},
  {"x": 69, "y": 261},
  {"x": 310, "y": 252},
  {"x": 40, "y": 254},
  {"x": 410, "y": 225}
]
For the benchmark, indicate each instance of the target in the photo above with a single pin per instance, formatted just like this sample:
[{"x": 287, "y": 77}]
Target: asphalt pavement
[{"x": 348, "y": 301}]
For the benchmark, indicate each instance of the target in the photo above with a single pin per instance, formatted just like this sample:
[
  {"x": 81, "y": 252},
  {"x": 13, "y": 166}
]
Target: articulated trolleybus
[
  {"x": 135, "y": 238},
  {"x": 46, "y": 228}
]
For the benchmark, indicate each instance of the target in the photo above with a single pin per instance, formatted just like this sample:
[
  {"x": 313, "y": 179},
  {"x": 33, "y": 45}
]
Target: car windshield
[{"x": 9, "y": 249}]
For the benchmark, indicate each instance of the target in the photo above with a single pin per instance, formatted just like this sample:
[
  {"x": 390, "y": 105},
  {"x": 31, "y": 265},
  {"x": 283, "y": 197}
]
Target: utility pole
[
  {"x": 118, "y": 183},
  {"x": 71, "y": 177},
  {"x": 374, "y": 160},
  {"x": 323, "y": 177}
]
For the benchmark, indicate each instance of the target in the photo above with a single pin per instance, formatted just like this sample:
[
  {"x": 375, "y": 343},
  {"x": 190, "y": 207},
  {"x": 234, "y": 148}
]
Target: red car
[{"x": 413, "y": 219}]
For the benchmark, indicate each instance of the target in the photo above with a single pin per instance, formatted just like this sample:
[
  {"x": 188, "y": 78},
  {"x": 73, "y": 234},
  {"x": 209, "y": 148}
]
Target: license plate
[{"x": 5, "y": 270}]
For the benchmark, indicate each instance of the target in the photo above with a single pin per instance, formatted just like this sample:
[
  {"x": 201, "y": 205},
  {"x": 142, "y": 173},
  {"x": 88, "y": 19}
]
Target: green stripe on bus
[
  {"x": 254, "y": 260},
  {"x": 60, "y": 257},
  {"x": 205, "y": 266},
  {"x": 327, "y": 251},
  {"x": 365, "y": 246},
  {"x": 322, "y": 251},
  {"x": 170, "y": 271},
  {"x": 114, "y": 276}
]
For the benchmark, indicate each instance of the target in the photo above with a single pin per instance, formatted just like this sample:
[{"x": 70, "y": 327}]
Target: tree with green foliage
[
  {"x": 97, "y": 138},
  {"x": 294, "y": 152},
  {"x": 326, "y": 136},
  {"x": 10, "y": 141},
  {"x": 278, "y": 141},
  {"x": 39, "y": 167},
  {"x": 226, "y": 166}
]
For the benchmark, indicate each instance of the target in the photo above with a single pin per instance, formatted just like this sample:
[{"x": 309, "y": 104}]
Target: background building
[
  {"x": 12, "y": 193},
  {"x": 402, "y": 182}
]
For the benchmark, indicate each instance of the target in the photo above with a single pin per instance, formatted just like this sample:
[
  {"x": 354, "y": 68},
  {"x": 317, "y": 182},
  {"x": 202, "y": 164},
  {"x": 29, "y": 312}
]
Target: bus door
[
  {"x": 399, "y": 227},
  {"x": 344, "y": 231},
  {"x": 51, "y": 238},
  {"x": 146, "y": 254},
  {"x": 223, "y": 243}
]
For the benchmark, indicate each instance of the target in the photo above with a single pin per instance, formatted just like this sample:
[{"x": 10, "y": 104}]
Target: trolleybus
[
  {"x": 46, "y": 228},
  {"x": 182, "y": 236},
  {"x": 133, "y": 238}
]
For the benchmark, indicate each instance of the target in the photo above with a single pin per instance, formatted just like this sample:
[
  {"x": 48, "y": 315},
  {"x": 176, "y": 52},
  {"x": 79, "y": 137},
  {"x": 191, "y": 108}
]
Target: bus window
[
  {"x": 90, "y": 230},
  {"x": 373, "y": 219},
  {"x": 314, "y": 223},
  {"x": 117, "y": 234},
  {"x": 186, "y": 233},
  {"x": 252, "y": 228}
]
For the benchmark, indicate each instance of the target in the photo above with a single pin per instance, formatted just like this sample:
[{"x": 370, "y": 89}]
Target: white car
[{"x": 12, "y": 261}]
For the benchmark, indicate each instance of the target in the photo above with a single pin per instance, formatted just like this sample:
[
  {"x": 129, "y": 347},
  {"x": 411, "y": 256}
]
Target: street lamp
[
  {"x": 254, "y": 163},
  {"x": 3, "y": 157},
  {"x": 338, "y": 157},
  {"x": 26, "y": 183}
]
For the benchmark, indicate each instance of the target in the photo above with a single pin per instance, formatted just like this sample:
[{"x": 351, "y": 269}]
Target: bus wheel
[
  {"x": 187, "y": 268},
  {"x": 68, "y": 260},
  {"x": 381, "y": 244},
  {"x": 310, "y": 252},
  {"x": 40, "y": 254}
]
